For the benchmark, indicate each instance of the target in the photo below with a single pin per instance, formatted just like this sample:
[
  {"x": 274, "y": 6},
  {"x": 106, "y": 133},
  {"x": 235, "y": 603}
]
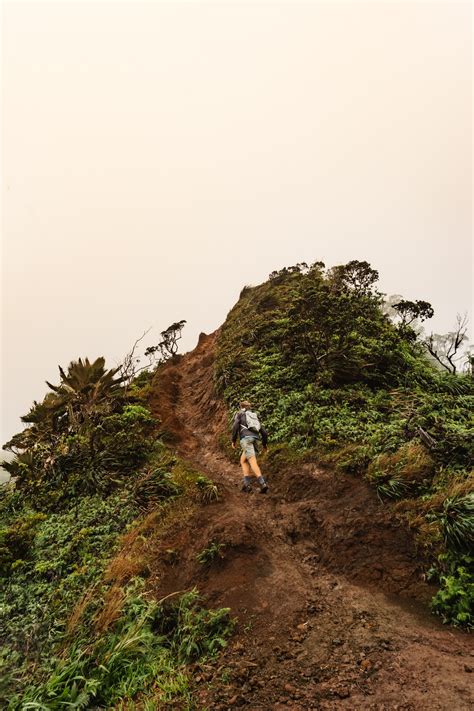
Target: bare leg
[
  {"x": 248, "y": 463},
  {"x": 244, "y": 465},
  {"x": 254, "y": 465}
]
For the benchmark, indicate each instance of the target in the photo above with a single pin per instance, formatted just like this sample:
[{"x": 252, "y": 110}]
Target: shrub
[
  {"x": 213, "y": 551},
  {"x": 16, "y": 540},
  {"x": 154, "y": 486},
  {"x": 64, "y": 553},
  {"x": 395, "y": 475},
  {"x": 193, "y": 631},
  {"x": 454, "y": 601},
  {"x": 92, "y": 461},
  {"x": 457, "y": 521},
  {"x": 207, "y": 490}
]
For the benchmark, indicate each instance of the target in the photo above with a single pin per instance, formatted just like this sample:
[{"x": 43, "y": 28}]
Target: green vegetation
[
  {"x": 95, "y": 490},
  {"x": 84, "y": 438},
  {"x": 146, "y": 653},
  {"x": 212, "y": 552},
  {"x": 455, "y": 598},
  {"x": 338, "y": 382},
  {"x": 93, "y": 486},
  {"x": 208, "y": 491},
  {"x": 407, "y": 471}
]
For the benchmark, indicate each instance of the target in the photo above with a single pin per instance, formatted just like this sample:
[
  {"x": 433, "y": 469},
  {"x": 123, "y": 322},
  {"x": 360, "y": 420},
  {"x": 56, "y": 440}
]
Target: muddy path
[{"x": 327, "y": 588}]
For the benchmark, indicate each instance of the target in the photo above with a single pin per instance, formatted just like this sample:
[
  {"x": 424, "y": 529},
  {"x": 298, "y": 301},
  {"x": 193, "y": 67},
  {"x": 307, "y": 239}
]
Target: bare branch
[
  {"x": 446, "y": 347},
  {"x": 426, "y": 438},
  {"x": 128, "y": 368}
]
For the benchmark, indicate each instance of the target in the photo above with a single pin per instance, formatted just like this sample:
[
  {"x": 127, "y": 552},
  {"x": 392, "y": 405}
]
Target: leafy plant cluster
[
  {"x": 44, "y": 572},
  {"x": 145, "y": 653},
  {"x": 454, "y": 600},
  {"x": 87, "y": 466},
  {"x": 213, "y": 551},
  {"x": 335, "y": 379},
  {"x": 82, "y": 439}
]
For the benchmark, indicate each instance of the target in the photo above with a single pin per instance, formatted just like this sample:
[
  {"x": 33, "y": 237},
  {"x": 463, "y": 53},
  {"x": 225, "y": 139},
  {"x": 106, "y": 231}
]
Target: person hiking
[{"x": 247, "y": 427}]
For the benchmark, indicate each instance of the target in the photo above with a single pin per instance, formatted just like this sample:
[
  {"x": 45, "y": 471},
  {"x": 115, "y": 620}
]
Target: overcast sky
[{"x": 159, "y": 156}]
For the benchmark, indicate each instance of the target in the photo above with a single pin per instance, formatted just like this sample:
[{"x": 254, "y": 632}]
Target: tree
[
  {"x": 279, "y": 274},
  {"x": 168, "y": 346},
  {"x": 334, "y": 327},
  {"x": 411, "y": 311},
  {"x": 407, "y": 316},
  {"x": 356, "y": 276},
  {"x": 82, "y": 390},
  {"x": 445, "y": 347}
]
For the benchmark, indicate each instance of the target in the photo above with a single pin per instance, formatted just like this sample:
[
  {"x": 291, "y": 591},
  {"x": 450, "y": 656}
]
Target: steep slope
[{"x": 327, "y": 588}]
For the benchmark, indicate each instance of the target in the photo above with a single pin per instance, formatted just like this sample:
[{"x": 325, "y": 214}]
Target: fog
[{"x": 158, "y": 156}]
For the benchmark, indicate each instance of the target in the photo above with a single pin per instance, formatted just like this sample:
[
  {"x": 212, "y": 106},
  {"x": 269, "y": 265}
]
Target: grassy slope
[
  {"x": 78, "y": 623},
  {"x": 361, "y": 410}
]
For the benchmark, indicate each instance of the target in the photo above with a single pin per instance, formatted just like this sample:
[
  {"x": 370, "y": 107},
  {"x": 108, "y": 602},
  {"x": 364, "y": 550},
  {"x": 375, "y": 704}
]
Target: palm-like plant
[
  {"x": 18, "y": 466},
  {"x": 83, "y": 389},
  {"x": 208, "y": 491},
  {"x": 44, "y": 418}
]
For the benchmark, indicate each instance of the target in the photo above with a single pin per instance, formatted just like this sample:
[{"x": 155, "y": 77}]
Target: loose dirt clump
[{"x": 327, "y": 587}]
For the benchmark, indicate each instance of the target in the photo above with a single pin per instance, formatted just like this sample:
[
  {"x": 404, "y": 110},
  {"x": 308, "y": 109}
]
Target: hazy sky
[{"x": 159, "y": 156}]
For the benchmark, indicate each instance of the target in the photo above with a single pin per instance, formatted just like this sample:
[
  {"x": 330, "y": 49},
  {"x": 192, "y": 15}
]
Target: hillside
[
  {"x": 327, "y": 585},
  {"x": 136, "y": 575}
]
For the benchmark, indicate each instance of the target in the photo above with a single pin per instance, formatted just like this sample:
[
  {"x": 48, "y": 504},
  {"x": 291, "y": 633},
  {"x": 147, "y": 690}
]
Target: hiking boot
[
  {"x": 264, "y": 488},
  {"x": 246, "y": 489}
]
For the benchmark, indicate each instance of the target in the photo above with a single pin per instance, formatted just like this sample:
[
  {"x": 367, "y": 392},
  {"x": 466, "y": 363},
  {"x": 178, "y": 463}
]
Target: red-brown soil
[{"x": 326, "y": 586}]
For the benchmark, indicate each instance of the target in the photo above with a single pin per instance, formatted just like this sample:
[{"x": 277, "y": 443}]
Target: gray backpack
[{"x": 253, "y": 423}]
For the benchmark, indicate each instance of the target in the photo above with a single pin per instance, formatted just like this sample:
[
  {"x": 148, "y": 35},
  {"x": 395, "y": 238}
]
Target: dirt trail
[{"x": 327, "y": 588}]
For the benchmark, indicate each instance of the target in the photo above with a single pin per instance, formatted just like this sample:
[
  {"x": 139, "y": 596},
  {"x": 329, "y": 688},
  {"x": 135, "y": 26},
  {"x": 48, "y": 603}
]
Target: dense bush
[
  {"x": 83, "y": 439},
  {"x": 42, "y": 578},
  {"x": 87, "y": 465},
  {"x": 335, "y": 379},
  {"x": 16, "y": 539},
  {"x": 146, "y": 650},
  {"x": 407, "y": 471},
  {"x": 454, "y": 602}
]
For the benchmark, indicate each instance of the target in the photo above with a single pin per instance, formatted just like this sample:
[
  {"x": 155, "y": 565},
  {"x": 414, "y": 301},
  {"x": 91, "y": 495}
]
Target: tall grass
[{"x": 146, "y": 652}]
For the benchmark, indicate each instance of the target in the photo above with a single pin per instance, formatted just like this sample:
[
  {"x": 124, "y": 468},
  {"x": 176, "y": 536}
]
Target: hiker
[{"x": 248, "y": 428}]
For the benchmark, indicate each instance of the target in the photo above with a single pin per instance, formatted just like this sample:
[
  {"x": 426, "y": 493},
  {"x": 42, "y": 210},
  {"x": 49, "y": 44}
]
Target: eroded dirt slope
[{"x": 327, "y": 588}]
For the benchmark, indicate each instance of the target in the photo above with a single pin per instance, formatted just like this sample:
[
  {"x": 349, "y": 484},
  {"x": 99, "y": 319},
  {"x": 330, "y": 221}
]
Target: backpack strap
[{"x": 244, "y": 427}]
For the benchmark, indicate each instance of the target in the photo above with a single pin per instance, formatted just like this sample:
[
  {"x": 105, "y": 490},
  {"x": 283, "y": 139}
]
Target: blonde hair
[{"x": 245, "y": 405}]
